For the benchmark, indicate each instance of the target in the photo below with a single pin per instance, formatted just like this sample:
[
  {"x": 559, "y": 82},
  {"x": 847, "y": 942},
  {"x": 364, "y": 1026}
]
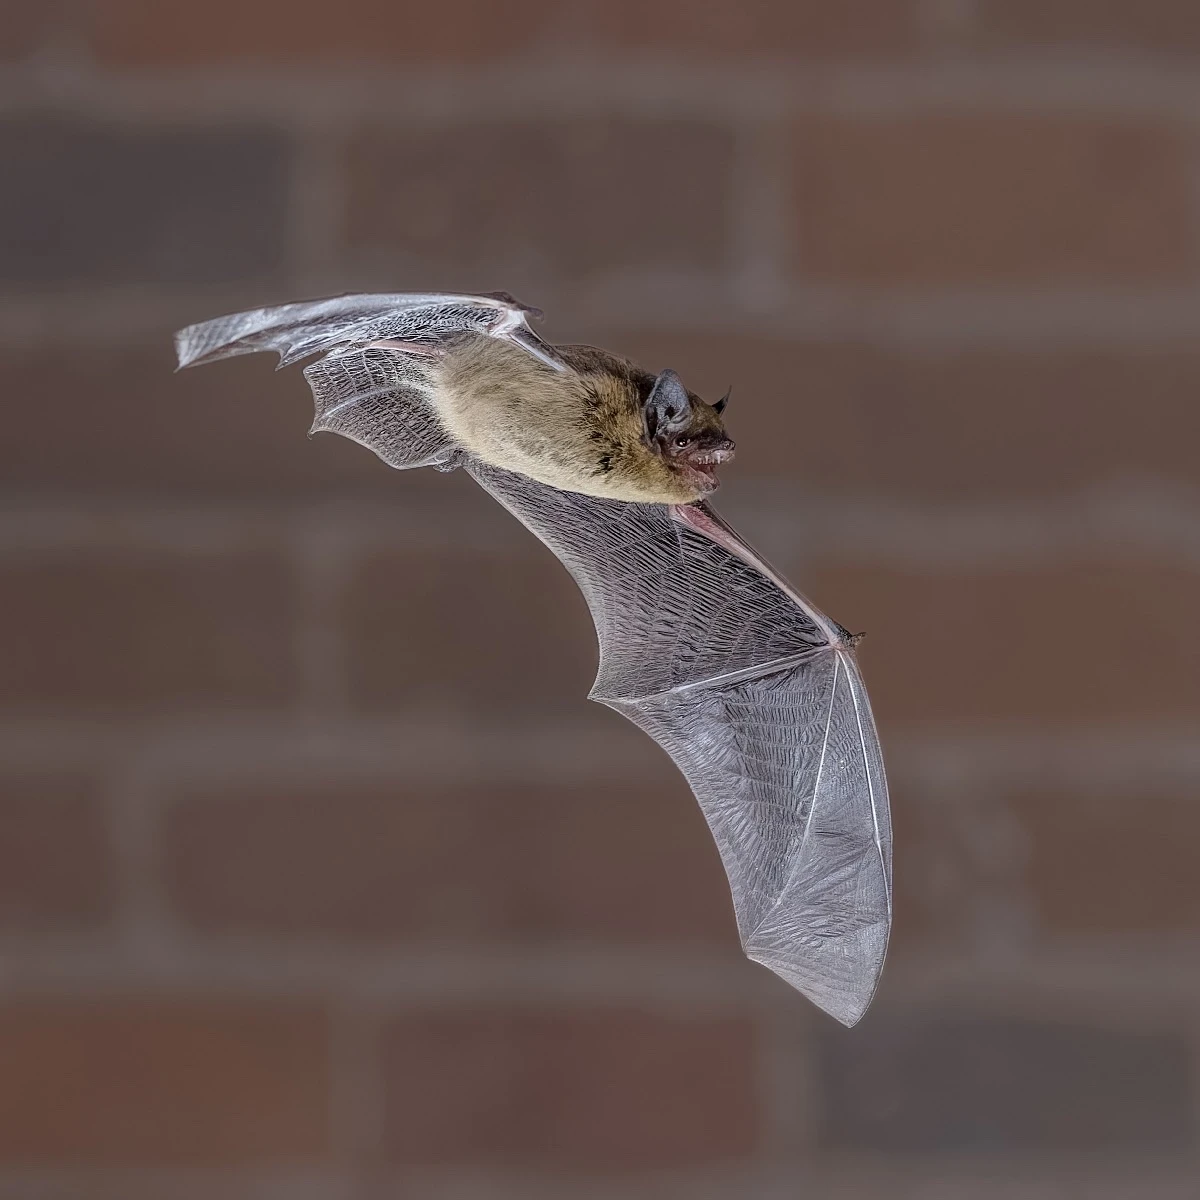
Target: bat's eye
[{"x": 681, "y": 442}]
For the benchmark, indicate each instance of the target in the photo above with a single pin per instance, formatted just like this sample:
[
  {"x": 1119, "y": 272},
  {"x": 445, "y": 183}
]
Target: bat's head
[{"x": 687, "y": 432}]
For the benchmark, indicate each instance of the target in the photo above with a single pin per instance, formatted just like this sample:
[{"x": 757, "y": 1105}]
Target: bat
[{"x": 752, "y": 691}]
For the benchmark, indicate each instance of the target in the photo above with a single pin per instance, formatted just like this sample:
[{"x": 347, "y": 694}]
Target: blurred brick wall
[{"x": 319, "y": 879}]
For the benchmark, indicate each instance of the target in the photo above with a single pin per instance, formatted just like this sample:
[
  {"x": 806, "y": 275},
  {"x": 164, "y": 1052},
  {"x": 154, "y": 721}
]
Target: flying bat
[{"x": 752, "y": 691}]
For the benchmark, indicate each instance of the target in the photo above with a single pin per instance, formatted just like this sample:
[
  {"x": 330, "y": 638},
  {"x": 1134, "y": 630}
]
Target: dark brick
[
  {"x": 468, "y": 630},
  {"x": 927, "y": 1084},
  {"x": 796, "y": 28},
  {"x": 550, "y": 198},
  {"x": 97, "y": 203},
  {"x": 495, "y": 861},
  {"x": 121, "y": 631},
  {"x": 1074, "y": 643},
  {"x": 149, "y": 1082},
  {"x": 1164, "y": 26},
  {"x": 1111, "y": 862},
  {"x": 56, "y": 869},
  {"x": 114, "y": 420},
  {"x": 992, "y": 199},
  {"x": 610, "y": 1089},
  {"x": 943, "y": 880},
  {"x": 949, "y": 426},
  {"x": 143, "y": 33},
  {"x": 25, "y": 28}
]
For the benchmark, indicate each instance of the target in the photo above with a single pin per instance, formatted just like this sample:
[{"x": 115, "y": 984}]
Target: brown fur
[{"x": 580, "y": 430}]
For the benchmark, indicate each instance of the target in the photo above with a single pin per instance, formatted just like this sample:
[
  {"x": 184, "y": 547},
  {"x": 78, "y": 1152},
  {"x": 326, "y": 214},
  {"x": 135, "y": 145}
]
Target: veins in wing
[
  {"x": 816, "y": 788},
  {"x": 678, "y": 626},
  {"x": 381, "y": 400},
  {"x": 868, "y": 773},
  {"x": 672, "y": 609},
  {"x": 735, "y": 744}
]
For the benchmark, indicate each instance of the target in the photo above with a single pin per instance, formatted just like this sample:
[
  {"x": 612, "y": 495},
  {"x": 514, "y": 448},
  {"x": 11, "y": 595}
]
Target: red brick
[
  {"x": 495, "y": 861},
  {"x": 1170, "y": 26},
  {"x": 571, "y": 198},
  {"x": 56, "y": 869},
  {"x": 1111, "y": 861},
  {"x": 936, "y": 1082},
  {"x": 991, "y": 199},
  {"x": 955, "y": 426},
  {"x": 609, "y": 1089},
  {"x": 151, "y": 1082},
  {"x": 143, "y": 33},
  {"x": 939, "y": 879},
  {"x": 127, "y": 631},
  {"x": 115, "y": 420},
  {"x": 456, "y": 630},
  {"x": 800, "y": 29},
  {"x": 139, "y": 33},
  {"x": 1078, "y": 642},
  {"x": 25, "y": 28},
  {"x": 164, "y": 206}
]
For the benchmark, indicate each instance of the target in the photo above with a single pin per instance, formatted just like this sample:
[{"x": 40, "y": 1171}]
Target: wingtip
[
  {"x": 183, "y": 357},
  {"x": 847, "y": 1008},
  {"x": 848, "y": 1016},
  {"x": 844, "y": 997}
]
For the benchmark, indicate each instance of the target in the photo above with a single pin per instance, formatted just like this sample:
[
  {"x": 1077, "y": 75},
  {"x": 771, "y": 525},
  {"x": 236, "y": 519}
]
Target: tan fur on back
[{"x": 579, "y": 430}]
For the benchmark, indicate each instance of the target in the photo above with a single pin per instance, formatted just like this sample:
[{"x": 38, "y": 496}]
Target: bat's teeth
[{"x": 711, "y": 458}]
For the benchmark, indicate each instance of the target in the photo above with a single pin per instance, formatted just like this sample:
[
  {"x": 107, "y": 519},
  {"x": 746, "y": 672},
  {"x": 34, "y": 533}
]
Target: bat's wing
[
  {"x": 297, "y": 331},
  {"x": 753, "y": 693},
  {"x": 362, "y": 388},
  {"x": 758, "y": 699}
]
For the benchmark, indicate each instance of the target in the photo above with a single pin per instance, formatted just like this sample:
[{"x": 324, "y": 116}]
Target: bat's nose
[{"x": 723, "y": 451}]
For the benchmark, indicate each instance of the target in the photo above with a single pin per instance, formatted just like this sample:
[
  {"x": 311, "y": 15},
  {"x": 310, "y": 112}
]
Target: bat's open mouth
[{"x": 701, "y": 465}]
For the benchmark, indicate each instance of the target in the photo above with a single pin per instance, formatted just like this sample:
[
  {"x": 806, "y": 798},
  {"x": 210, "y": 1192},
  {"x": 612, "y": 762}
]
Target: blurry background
[{"x": 319, "y": 878}]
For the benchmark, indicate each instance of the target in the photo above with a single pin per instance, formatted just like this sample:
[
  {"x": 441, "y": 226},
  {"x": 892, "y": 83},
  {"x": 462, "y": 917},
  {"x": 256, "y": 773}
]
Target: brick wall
[{"x": 319, "y": 879}]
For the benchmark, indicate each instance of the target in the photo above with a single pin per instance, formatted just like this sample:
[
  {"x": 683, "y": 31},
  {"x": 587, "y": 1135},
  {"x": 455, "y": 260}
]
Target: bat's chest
[{"x": 559, "y": 436}]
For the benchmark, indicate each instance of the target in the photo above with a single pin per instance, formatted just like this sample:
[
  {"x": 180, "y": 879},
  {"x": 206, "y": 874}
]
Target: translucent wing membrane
[
  {"x": 296, "y": 331},
  {"x": 671, "y": 608},
  {"x": 793, "y": 791},
  {"x": 381, "y": 400},
  {"x": 373, "y": 378},
  {"x": 763, "y": 713},
  {"x": 752, "y": 692}
]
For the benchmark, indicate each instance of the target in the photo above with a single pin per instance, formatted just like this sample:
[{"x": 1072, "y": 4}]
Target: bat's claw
[{"x": 509, "y": 298}]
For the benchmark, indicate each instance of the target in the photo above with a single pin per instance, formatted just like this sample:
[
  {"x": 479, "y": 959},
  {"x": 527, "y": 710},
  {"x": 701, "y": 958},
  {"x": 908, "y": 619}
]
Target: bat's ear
[
  {"x": 719, "y": 407},
  {"x": 668, "y": 408}
]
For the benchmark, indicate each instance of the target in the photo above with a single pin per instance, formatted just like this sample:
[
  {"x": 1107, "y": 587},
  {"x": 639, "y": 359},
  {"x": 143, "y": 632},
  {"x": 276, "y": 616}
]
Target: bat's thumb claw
[{"x": 509, "y": 298}]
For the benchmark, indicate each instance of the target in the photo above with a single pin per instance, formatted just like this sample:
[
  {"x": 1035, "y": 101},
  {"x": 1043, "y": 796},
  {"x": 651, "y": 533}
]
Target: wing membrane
[
  {"x": 373, "y": 379},
  {"x": 297, "y": 331},
  {"x": 381, "y": 400},
  {"x": 671, "y": 608},
  {"x": 765, "y": 716}
]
